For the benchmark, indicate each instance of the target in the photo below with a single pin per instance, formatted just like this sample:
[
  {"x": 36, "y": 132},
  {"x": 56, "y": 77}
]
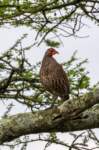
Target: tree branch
[
  {"x": 72, "y": 115},
  {"x": 5, "y": 86}
]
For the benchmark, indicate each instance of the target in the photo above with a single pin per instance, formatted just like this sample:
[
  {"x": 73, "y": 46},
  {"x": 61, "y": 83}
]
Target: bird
[{"x": 53, "y": 77}]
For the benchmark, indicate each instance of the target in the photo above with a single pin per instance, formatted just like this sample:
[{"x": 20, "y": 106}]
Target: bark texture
[{"x": 72, "y": 115}]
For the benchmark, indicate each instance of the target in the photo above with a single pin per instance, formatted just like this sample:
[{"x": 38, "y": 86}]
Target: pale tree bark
[{"x": 73, "y": 115}]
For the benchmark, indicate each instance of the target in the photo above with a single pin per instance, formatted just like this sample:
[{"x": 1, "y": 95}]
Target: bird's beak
[{"x": 55, "y": 52}]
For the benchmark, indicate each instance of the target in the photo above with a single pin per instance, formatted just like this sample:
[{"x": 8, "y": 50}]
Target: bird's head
[{"x": 51, "y": 51}]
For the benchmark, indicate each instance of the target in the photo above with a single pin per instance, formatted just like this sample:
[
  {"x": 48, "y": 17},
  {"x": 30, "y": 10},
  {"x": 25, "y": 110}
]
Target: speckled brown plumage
[{"x": 53, "y": 77}]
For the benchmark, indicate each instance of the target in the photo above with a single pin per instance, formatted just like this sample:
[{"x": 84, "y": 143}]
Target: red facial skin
[{"x": 52, "y": 51}]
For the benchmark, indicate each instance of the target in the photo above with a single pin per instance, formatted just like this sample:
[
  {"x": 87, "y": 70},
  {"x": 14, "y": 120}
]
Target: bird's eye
[{"x": 51, "y": 50}]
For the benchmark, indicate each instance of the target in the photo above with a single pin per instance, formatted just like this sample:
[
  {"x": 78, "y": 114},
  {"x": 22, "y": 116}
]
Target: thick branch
[{"x": 71, "y": 116}]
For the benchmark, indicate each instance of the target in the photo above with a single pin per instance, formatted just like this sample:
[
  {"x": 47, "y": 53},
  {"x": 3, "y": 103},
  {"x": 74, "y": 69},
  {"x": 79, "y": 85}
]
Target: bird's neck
[{"x": 47, "y": 59}]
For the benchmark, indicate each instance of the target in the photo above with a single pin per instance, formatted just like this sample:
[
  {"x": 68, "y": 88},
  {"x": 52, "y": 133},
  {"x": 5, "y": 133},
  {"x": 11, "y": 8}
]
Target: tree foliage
[
  {"x": 19, "y": 80},
  {"x": 58, "y": 17}
]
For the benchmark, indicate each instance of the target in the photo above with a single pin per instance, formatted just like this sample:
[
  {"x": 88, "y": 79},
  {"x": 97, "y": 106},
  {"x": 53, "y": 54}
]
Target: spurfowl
[{"x": 53, "y": 77}]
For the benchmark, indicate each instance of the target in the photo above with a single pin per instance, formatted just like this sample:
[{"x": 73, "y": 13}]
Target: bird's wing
[{"x": 60, "y": 79}]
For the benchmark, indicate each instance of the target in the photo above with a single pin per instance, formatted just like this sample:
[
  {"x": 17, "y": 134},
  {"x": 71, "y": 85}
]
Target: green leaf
[
  {"x": 2, "y": 66},
  {"x": 52, "y": 43}
]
